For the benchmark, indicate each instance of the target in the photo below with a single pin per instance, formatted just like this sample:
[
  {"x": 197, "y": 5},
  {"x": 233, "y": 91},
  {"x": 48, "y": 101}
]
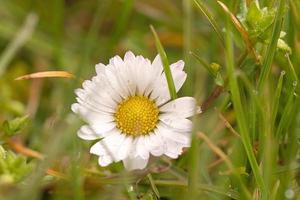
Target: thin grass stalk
[
  {"x": 165, "y": 63},
  {"x": 269, "y": 56},
  {"x": 211, "y": 20},
  {"x": 240, "y": 114}
]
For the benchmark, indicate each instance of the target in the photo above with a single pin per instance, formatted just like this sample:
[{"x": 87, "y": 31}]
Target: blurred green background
[{"x": 74, "y": 35}]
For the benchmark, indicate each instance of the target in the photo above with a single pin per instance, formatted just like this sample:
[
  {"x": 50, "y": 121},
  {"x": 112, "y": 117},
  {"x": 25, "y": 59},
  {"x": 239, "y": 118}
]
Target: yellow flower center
[{"x": 136, "y": 116}]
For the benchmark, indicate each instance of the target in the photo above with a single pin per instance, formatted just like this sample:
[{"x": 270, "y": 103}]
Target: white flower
[{"x": 127, "y": 106}]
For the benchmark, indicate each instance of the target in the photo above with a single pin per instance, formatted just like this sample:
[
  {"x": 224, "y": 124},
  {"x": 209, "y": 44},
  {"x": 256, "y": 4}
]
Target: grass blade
[
  {"x": 211, "y": 20},
  {"x": 240, "y": 114},
  {"x": 47, "y": 74},
  {"x": 276, "y": 99},
  {"x": 269, "y": 56},
  {"x": 165, "y": 63},
  {"x": 23, "y": 35},
  {"x": 153, "y": 186}
]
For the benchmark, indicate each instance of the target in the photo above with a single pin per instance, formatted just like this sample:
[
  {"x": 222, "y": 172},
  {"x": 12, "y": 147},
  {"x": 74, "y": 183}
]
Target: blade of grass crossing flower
[
  {"x": 165, "y": 63},
  {"x": 269, "y": 56},
  {"x": 241, "y": 120}
]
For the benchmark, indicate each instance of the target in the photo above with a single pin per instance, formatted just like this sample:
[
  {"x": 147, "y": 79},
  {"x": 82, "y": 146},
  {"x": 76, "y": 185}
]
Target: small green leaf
[
  {"x": 219, "y": 79},
  {"x": 14, "y": 126},
  {"x": 13, "y": 167},
  {"x": 259, "y": 22}
]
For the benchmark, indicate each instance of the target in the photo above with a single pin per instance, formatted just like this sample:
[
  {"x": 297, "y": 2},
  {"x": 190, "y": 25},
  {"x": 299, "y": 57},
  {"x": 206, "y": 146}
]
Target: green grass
[{"x": 245, "y": 143}]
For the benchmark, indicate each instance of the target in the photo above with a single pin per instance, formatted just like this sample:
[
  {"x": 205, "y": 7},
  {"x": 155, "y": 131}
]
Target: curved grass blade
[
  {"x": 21, "y": 38},
  {"x": 47, "y": 74},
  {"x": 211, "y": 20},
  {"x": 242, "y": 31},
  {"x": 165, "y": 63}
]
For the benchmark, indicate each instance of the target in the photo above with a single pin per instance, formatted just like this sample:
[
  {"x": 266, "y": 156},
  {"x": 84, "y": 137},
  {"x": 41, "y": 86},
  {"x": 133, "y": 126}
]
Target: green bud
[{"x": 215, "y": 67}]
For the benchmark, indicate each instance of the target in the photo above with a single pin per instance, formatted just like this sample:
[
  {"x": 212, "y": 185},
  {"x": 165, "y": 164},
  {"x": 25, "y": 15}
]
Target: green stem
[
  {"x": 165, "y": 63},
  {"x": 240, "y": 114}
]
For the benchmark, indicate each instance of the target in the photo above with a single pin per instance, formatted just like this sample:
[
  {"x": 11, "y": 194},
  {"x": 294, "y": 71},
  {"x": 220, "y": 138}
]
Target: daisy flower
[{"x": 128, "y": 109}]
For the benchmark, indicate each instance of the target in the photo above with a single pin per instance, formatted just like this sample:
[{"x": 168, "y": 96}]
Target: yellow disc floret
[{"x": 136, "y": 116}]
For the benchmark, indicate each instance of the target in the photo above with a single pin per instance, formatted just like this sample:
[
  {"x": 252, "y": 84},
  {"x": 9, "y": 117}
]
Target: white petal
[
  {"x": 100, "y": 69},
  {"x": 110, "y": 145},
  {"x": 157, "y": 65},
  {"x": 116, "y": 61},
  {"x": 174, "y": 149},
  {"x": 179, "y": 65},
  {"x": 103, "y": 127},
  {"x": 92, "y": 116},
  {"x": 156, "y": 143},
  {"x": 161, "y": 91},
  {"x": 176, "y": 122},
  {"x": 116, "y": 82},
  {"x": 142, "y": 72},
  {"x": 104, "y": 160},
  {"x": 135, "y": 163},
  {"x": 125, "y": 148},
  {"x": 94, "y": 101},
  {"x": 91, "y": 93},
  {"x": 141, "y": 149},
  {"x": 170, "y": 134},
  {"x": 183, "y": 107},
  {"x": 86, "y": 133},
  {"x": 129, "y": 56}
]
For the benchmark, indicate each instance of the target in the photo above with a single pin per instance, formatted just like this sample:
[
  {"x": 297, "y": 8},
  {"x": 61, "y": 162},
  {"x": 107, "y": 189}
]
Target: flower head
[{"x": 127, "y": 106}]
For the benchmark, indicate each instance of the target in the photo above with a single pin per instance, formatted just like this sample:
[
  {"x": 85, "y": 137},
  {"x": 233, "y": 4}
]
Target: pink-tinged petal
[{"x": 129, "y": 56}]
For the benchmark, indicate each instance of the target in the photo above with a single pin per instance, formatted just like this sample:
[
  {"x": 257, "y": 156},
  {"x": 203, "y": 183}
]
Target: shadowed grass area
[{"x": 242, "y": 59}]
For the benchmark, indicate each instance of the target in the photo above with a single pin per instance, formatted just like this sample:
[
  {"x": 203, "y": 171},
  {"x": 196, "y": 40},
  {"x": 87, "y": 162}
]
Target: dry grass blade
[
  {"x": 227, "y": 124},
  {"x": 55, "y": 173},
  {"x": 216, "y": 149},
  {"x": 227, "y": 161},
  {"x": 18, "y": 147},
  {"x": 47, "y": 74},
  {"x": 242, "y": 31}
]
